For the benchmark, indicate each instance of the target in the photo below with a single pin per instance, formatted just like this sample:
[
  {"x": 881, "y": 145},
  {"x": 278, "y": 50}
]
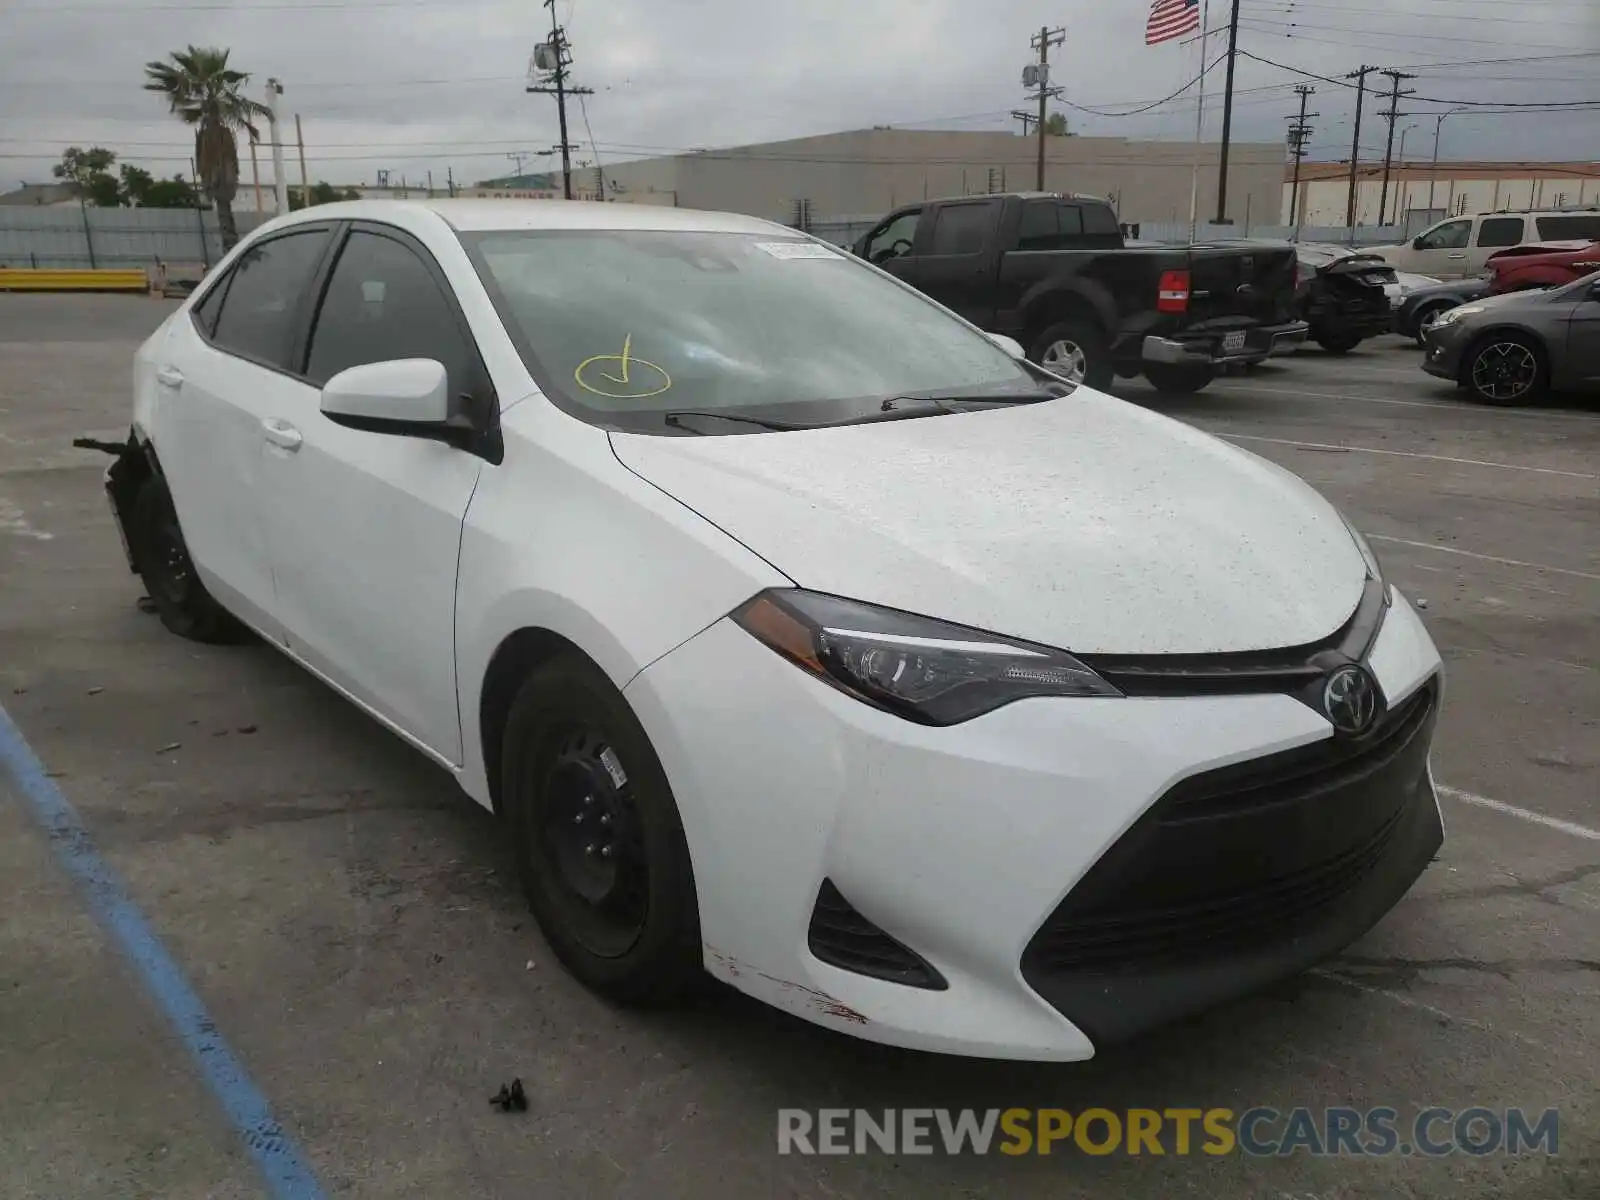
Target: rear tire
[
  {"x": 1174, "y": 379},
  {"x": 1077, "y": 349},
  {"x": 180, "y": 599},
  {"x": 1507, "y": 370},
  {"x": 1337, "y": 343},
  {"x": 604, "y": 866}
]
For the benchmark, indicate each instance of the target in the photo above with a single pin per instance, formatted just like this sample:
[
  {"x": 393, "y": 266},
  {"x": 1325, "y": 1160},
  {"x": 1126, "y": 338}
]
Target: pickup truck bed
[{"x": 1052, "y": 271}]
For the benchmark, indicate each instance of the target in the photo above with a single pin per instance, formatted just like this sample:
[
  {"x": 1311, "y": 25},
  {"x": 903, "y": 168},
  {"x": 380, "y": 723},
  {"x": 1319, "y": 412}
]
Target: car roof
[{"x": 474, "y": 216}]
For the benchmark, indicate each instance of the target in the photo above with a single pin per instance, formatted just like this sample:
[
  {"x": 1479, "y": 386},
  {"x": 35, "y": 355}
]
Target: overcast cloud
[{"x": 418, "y": 85}]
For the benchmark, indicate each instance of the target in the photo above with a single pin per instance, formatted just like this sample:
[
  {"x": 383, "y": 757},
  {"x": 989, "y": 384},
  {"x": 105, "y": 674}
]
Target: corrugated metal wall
[{"x": 69, "y": 236}]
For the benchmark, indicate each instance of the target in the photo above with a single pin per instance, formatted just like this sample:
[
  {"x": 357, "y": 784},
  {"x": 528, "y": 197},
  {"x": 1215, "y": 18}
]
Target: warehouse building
[
  {"x": 1420, "y": 194},
  {"x": 870, "y": 171}
]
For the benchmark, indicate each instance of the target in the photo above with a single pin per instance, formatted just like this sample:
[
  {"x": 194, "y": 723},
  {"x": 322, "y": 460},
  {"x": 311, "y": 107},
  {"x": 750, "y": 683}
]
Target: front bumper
[
  {"x": 1209, "y": 349},
  {"x": 972, "y": 845},
  {"x": 1442, "y": 350}
]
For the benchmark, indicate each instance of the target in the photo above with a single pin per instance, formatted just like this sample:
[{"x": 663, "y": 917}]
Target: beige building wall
[
  {"x": 871, "y": 171},
  {"x": 1461, "y": 187}
]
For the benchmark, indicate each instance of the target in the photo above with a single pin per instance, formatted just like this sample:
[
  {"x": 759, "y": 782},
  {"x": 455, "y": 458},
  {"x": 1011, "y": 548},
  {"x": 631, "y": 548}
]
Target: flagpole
[{"x": 1199, "y": 125}]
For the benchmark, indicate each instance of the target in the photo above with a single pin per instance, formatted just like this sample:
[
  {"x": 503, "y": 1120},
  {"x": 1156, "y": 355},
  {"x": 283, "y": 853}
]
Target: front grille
[
  {"x": 1243, "y": 855},
  {"x": 842, "y": 937}
]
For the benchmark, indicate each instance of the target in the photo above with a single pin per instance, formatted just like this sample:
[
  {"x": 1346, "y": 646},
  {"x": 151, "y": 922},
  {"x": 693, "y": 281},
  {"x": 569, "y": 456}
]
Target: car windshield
[{"x": 622, "y": 327}]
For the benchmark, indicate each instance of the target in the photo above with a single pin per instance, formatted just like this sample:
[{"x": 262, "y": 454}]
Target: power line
[
  {"x": 1100, "y": 112},
  {"x": 1552, "y": 105}
]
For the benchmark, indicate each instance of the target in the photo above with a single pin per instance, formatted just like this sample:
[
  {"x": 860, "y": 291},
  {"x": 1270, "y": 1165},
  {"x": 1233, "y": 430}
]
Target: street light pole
[{"x": 1438, "y": 128}]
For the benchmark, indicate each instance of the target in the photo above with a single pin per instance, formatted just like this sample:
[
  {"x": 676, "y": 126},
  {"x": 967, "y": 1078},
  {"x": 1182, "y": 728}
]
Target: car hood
[{"x": 1085, "y": 523}]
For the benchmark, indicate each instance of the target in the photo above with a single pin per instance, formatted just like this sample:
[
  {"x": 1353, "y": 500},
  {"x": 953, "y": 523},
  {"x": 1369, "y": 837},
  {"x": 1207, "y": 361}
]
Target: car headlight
[
  {"x": 1452, "y": 315},
  {"x": 924, "y": 670},
  {"x": 1374, "y": 567}
]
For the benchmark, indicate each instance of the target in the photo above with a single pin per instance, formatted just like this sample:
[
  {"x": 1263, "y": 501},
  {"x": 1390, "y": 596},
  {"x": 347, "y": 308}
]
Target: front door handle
[
  {"x": 1458, "y": 256},
  {"x": 169, "y": 377},
  {"x": 281, "y": 433}
]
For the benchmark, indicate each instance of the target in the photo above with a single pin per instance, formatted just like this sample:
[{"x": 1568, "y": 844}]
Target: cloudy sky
[{"x": 418, "y": 85}]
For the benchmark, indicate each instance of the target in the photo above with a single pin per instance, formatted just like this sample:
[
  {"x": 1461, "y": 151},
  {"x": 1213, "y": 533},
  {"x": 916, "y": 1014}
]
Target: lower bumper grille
[
  {"x": 1243, "y": 874},
  {"x": 842, "y": 937}
]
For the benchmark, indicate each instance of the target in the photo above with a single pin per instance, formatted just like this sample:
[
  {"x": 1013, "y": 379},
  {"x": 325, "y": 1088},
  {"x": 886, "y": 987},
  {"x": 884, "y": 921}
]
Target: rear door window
[
  {"x": 1569, "y": 229},
  {"x": 1500, "y": 231},
  {"x": 963, "y": 228},
  {"x": 267, "y": 296}
]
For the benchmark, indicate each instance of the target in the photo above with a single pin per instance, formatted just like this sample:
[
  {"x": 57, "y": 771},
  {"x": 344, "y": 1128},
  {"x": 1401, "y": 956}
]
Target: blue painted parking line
[{"x": 287, "y": 1173}]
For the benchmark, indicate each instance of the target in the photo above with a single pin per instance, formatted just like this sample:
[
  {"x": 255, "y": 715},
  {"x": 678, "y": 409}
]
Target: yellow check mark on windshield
[{"x": 627, "y": 350}]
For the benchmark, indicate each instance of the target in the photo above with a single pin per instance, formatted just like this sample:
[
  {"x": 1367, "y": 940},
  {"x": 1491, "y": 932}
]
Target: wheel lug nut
[
  {"x": 589, "y": 849},
  {"x": 578, "y": 820},
  {"x": 605, "y": 819},
  {"x": 605, "y": 851}
]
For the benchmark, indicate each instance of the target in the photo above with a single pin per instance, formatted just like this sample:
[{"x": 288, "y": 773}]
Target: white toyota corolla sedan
[{"x": 800, "y": 632}]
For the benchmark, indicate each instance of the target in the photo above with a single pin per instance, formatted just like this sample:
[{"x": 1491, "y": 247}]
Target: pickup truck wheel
[
  {"x": 598, "y": 841},
  {"x": 1176, "y": 380},
  {"x": 1075, "y": 350},
  {"x": 180, "y": 599}
]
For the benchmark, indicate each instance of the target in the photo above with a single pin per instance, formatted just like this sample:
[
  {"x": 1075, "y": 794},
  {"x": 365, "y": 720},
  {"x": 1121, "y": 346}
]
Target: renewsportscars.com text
[{"x": 1433, "y": 1132}]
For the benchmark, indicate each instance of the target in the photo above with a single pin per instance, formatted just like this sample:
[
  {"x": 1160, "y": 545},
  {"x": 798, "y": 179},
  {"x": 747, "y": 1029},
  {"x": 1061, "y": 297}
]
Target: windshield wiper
[{"x": 675, "y": 418}]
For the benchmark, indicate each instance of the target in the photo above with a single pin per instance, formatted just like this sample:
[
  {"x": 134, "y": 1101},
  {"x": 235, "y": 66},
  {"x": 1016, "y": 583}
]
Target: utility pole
[
  {"x": 519, "y": 157},
  {"x": 280, "y": 180},
  {"x": 450, "y": 179},
  {"x": 1299, "y": 136},
  {"x": 1227, "y": 117},
  {"x": 552, "y": 59},
  {"x": 305, "y": 180},
  {"x": 1027, "y": 119},
  {"x": 255, "y": 176},
  {"x": 1391, "y": 115},
  {"x": 1360, "y": 76},
  {"x": 1039, "y": 76}
]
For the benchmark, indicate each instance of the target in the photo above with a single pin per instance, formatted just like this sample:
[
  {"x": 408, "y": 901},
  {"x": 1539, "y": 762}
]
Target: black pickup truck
[{"x": 1051, "y": 271}]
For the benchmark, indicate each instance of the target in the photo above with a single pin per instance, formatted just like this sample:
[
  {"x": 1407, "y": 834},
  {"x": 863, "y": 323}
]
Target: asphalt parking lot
[{"x": 349, "y": 922}]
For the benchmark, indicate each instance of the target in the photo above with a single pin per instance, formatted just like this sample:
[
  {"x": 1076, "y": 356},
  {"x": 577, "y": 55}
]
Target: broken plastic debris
[
  {"x": 510, "y": 1099},
  {"x": 169, "y": 746},
  {"x": 95, "y": 691},
  {"x": 146, "y": 605}
]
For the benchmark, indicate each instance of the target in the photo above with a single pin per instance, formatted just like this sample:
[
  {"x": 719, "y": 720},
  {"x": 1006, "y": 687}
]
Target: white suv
[{"x": 1460, "y": 246}]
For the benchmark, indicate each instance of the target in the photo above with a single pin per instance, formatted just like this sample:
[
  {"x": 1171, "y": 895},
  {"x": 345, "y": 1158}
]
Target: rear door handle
[
  {"x": 1458, "y": 256},
  {"x": 281, "y": 433},
  {"x": 169, "y": 377}
]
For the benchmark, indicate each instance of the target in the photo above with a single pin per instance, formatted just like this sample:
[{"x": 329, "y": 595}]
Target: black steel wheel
[
  {"x": 169, "y": 575},
  {"x": 599, "y": 844}
]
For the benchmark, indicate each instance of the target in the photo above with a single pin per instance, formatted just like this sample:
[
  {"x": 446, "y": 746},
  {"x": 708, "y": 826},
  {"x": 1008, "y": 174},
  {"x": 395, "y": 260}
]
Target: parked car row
[{"x": 1054, "y": 273}]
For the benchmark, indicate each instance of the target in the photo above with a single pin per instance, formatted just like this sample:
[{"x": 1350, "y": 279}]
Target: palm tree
[{"x": 203, "y": 91}]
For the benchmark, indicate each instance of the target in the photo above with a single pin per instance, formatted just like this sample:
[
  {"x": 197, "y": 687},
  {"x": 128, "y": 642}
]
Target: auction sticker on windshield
[{"x": 788, "y": 250}]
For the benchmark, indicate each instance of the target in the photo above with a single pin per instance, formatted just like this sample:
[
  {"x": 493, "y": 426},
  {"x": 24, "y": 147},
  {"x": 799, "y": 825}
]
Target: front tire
[
  {"x": 1174, "y": 379},
  {"x": 1426, "y": 317},
  {"x": 180, "y": 599},
  {"x": 1506, "y": 369},
  {"x": 1077, "y": 350},
  {"x": 599, "y": 844}
]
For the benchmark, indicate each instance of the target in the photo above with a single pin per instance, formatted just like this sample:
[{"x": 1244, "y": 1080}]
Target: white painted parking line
[
  {"x": 1442, "y": 404},
  {"x": 1570, "y": 828},
  {"x": 1469, "y": 462},
  {"x": 1333, "y": 975},
  {"x": 1508, "y": 562}
]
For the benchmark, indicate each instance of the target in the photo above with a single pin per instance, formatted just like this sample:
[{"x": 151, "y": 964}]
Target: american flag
[{"x": 1170, "y": 19}]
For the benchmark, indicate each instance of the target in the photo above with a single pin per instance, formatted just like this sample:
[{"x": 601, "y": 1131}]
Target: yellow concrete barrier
[{"x": 45, "y": 279}]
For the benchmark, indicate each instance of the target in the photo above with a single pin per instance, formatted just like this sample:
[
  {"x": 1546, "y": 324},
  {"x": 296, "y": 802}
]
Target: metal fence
[
  {"x": 73, "y": 236},
  {"x": 186, "y": 241}
]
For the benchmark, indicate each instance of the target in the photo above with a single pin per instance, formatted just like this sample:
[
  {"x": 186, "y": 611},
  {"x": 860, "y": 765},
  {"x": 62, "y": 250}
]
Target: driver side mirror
[
  {"x": 409, "y": 397},
  {"x": 1416, "y": 243}
]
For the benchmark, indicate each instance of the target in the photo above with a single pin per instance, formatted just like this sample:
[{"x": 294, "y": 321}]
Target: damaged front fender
[{"x": 134, "y": 463}]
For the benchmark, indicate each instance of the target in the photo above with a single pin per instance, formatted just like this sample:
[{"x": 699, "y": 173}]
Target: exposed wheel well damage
[
  {"x": 135, "y": 464},
  {"x": 513, "y": 660}
]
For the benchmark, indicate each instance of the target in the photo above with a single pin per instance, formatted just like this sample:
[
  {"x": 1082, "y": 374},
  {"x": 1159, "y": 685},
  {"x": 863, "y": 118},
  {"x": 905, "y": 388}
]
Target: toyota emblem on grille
[{"x": 1350, "y": 698}]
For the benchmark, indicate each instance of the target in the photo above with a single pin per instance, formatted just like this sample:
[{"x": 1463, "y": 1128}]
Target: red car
[{"x": 1541, "y": 264}]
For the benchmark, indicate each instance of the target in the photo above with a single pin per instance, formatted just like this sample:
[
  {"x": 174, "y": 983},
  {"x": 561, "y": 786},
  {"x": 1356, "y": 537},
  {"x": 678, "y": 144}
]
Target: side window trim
[
  {"x": 218, "y": 288},
  {"x": 483, "y": 386},
  {"x": 329, "y": 227}
]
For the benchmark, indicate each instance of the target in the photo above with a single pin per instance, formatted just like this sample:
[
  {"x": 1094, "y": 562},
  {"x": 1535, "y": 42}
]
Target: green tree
[
  {"x": 142, "y": 190},
  {"x": 1055, "y": 125},
  {"x": 204, "y": 92},
  {"x": 89, "y": 173},
  {"x": 322, "y": 192}
]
